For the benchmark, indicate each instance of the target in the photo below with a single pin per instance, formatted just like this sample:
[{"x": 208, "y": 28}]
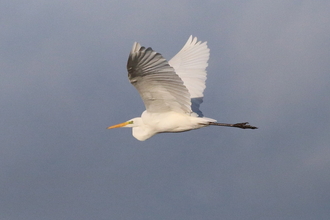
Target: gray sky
[{"x": 64, "y": 80}]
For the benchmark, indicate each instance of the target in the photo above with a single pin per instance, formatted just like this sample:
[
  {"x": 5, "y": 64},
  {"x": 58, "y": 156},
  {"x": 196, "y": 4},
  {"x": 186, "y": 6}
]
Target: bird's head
[{"x": 140, "y": 131}]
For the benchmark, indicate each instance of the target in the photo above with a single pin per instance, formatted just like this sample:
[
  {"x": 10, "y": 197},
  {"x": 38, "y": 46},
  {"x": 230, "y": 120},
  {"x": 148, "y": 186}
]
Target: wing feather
[
  {"x": 190, "y": 64},
  {"x": 160, "y": 88}
]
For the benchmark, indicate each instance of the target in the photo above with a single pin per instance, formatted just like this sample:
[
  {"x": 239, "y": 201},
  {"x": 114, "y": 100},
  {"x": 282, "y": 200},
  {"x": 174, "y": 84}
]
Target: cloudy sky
[{"x": 63, "y": 81}]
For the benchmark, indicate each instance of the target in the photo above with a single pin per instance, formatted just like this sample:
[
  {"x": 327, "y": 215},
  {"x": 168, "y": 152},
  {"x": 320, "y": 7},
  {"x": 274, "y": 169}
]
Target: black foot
[{"x": 244, "y": 125}]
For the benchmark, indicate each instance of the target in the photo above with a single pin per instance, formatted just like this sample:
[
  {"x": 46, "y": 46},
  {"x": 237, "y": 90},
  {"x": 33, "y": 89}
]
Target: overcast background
[{"x": 64, "y": 80}]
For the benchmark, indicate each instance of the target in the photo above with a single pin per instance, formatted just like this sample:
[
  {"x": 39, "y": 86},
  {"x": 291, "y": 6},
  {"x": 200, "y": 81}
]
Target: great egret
[{"x": 171, "y": 91}]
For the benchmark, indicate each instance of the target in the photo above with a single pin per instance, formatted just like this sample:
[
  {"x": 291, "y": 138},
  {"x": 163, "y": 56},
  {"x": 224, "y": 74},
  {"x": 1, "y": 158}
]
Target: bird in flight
[{"x": 172, "y": 91}]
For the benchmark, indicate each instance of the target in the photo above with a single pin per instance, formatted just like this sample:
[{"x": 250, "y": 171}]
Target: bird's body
[
  {"x": 153, "y": 123},
  {"x": 171, "y": 91}
]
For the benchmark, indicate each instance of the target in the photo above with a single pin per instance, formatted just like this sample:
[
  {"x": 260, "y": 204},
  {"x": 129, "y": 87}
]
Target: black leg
[{"x": 243, "y": 125}]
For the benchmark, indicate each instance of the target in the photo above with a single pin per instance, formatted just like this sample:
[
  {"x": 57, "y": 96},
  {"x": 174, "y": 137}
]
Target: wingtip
[
  {"x": 136, "y": 47},
  {"x": 190, "y": 38},
  {"x": 193, "y": 40}
]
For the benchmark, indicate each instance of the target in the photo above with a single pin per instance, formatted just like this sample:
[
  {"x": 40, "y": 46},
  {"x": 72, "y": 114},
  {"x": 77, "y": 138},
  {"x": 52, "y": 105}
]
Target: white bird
[{"x": 171, "y": 91}]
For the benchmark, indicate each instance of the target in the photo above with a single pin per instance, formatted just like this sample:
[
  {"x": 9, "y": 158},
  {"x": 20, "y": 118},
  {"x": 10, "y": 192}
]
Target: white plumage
[{"x": 171, "y": 91}]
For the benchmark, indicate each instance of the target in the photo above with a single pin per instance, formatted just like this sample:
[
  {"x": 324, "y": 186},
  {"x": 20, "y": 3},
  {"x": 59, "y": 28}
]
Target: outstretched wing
[
  {"x": 160, "y": 88},
  {"x": 190, "y": 64}
]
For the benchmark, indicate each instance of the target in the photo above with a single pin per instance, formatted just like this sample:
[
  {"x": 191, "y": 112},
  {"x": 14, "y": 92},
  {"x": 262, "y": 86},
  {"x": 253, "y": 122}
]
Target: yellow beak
[{"x": 118, "y": 125}]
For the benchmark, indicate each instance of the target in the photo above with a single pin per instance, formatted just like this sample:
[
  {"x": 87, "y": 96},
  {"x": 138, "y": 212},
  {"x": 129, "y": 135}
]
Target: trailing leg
[{"x": 244, "y": 125}]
